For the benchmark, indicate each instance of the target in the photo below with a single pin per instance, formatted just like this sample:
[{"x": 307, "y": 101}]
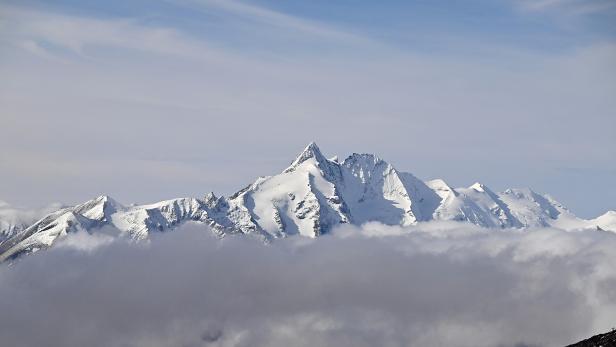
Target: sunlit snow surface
[{"x": 309, "y": 198}]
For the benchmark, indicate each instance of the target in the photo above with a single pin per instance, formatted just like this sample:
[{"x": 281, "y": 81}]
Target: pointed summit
[
  {"x": 311, "y": 151},
  {"x": 479, "y": 187},
  {"x": 99, "y": 208}
]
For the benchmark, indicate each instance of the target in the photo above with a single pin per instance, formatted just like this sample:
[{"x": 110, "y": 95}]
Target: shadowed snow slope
[{"x": 309, "y": 198}]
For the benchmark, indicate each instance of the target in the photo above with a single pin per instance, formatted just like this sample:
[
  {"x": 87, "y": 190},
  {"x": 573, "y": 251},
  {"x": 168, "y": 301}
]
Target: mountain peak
[
  {"x": 480, "y": 187},
  {"x": 364, "y": 162},
  {"x": 309, "y": 198},
  {"x": 311, "y": 151},
  {"x": 98, "y": 208},
  {"x": 104, "y": 199}
]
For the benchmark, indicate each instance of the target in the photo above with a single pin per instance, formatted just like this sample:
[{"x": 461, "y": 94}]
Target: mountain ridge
[{"x": 309, "y": 198}]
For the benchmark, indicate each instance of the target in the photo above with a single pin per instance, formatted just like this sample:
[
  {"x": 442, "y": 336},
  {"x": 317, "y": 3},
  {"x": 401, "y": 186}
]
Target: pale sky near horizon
[{"x": 151, "y": 100}]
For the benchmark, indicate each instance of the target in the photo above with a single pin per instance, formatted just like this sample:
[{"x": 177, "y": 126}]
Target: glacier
[{"x": 309, "y": 198}]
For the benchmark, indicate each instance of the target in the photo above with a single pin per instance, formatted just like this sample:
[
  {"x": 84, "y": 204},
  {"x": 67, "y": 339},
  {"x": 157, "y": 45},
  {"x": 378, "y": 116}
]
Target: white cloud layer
[{"x": 434, "y": 284}]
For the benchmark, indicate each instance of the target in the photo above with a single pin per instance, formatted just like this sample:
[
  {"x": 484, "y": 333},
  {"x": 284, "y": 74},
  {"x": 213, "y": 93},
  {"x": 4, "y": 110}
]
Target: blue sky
[
  {"x": 539, "y": 24},
  {"x": 146, "y": 100}
]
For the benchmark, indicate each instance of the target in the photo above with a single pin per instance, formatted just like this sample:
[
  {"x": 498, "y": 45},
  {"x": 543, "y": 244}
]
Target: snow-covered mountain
[
  {"x": 14, "y": 219},
  {"x": 309, "y": 198},
  {"x": 606, "y": 221}
]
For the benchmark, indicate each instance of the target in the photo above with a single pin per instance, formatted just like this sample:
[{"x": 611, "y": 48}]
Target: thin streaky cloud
[
  {"x": 229, "y": 73},
  {"x": 543, "y": 4},
  {"x": 31, "y": 29},
  {"x": 570, "y": 7},
  {"x": 36, "y": 31},
  {"x": 271, "y": 17},
  {"x": 595, "y": 7}
]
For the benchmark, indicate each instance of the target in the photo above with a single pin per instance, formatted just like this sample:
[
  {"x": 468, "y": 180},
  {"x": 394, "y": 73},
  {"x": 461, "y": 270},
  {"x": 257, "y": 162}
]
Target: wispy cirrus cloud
[
  {"x": 45, "y": 32},
  {"x": 271, "y": 17},
  {"x": 116, "y": 83},
  {"x": 571, "y": 7},
  {"x": 40, "y": 32}
]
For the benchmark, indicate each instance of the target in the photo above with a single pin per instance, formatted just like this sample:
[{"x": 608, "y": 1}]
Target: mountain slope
[
  {"x": 606, "y": 221},
  {"x": 309, "y": 198},
  {"x": 601, "y": 340},
  {"x": 136, "y": 222},
  {"x": 14, "y": 220}
]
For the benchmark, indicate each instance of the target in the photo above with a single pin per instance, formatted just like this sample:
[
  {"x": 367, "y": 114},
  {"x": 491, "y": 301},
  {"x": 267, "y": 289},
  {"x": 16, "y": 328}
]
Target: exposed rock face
[{"x": 601, "y": 340}]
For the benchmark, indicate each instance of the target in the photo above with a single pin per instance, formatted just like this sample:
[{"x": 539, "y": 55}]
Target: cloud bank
[{"x": 435, "y": 284}]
